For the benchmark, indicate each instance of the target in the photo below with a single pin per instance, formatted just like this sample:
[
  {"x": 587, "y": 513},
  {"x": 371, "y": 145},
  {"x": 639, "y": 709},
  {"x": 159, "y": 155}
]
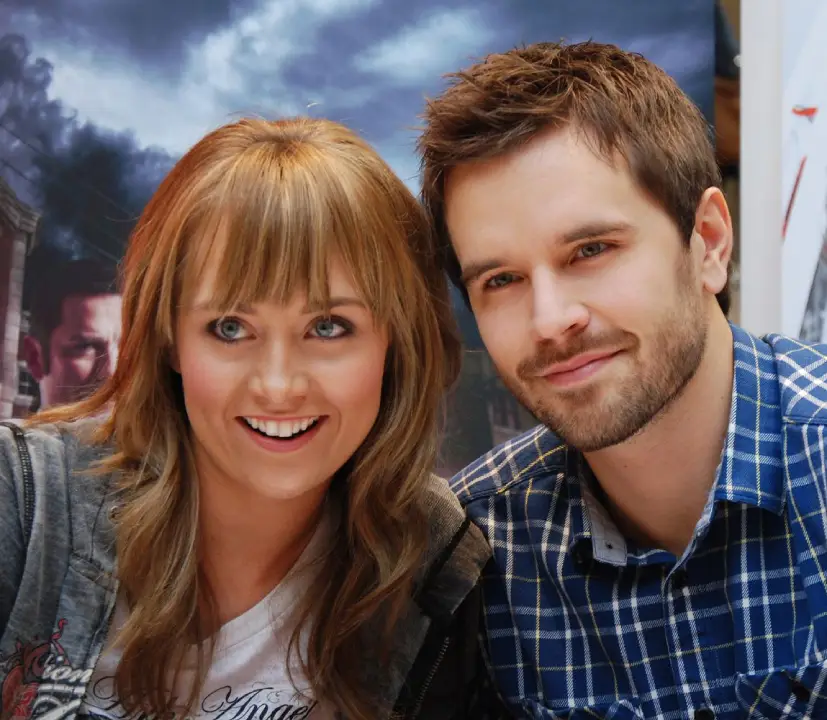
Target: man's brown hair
[
  {"x": 55, "y": 282},
  {"x": 622, "y": 104}
]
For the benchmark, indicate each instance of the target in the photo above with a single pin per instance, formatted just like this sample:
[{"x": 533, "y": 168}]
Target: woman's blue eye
[
  {"x": 228, "y": 329},
  {"x": 330, "y": 328}
]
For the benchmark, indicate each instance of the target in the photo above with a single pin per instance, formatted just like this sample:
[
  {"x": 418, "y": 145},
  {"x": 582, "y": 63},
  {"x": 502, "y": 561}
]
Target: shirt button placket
[{"x": 680, "y": 640}]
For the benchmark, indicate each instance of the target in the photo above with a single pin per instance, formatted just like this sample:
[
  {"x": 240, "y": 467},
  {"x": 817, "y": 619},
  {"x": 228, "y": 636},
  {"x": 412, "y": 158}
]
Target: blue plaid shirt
[{"x": 580, "y": 623}]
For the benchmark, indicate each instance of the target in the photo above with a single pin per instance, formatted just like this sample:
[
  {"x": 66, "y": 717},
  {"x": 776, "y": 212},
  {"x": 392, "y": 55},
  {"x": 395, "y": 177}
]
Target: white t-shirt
[{"x": 247, "y": 679}]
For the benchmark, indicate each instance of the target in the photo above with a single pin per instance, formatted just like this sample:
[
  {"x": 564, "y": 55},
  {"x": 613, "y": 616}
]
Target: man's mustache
[{"x": 552, "y": 353}]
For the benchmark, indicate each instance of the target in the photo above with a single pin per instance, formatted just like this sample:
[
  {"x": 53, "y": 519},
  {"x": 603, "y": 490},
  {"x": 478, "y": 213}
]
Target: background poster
[
  {"x": 97, "y": 100},
  {"x": 804, "y": 170}
]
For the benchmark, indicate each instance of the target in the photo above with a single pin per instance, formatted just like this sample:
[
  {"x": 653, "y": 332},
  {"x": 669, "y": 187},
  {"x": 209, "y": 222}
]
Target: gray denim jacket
[{"x": 58, "y": 581}]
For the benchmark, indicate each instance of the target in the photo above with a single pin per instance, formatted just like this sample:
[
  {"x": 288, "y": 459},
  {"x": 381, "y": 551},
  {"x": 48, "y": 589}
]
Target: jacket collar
[{"x": 457, "y": 553}]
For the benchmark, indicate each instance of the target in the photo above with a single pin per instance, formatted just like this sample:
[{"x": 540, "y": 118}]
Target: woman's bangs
[{"x": 266, "y": 232}]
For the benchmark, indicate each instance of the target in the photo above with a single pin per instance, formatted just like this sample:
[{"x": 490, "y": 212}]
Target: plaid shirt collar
[{"x": 742, "y": 475}]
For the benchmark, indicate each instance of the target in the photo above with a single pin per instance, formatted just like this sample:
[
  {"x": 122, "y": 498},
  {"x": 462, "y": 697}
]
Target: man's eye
[
  {"x": 499, "y": 281},
  {"x": 79, "y": 348},
  {"x": 591, "y": 249},
  {"x": 228, "y": 329}
]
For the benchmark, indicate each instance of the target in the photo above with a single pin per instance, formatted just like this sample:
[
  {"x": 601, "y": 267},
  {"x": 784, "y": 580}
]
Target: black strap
[
  {"x": 28, "y": 479},
  {"x": 442, "y": 558},
  {"x": 424, "y": 597}
]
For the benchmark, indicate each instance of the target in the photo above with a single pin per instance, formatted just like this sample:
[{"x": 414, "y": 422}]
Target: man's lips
[
  {"x": 577, "y": 362},
  {"x": 577, "y": 368}
]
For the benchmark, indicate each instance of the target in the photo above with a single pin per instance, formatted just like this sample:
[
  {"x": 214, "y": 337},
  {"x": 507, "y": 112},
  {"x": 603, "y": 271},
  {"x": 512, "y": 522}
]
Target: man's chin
[
  {"x": 77, "y": 394},
  {"x": 565, "y": 401}
]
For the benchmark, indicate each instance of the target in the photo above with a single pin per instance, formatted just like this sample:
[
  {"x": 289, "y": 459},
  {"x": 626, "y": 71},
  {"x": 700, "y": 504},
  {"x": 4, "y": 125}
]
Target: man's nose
[
  {"x": 105, "y": 362},
  {"x": 557, "y": 311},
  {"x": 110, "y": 360}
]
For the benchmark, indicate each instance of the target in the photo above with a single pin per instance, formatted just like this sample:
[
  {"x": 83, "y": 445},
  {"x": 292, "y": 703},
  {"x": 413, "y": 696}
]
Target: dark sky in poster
[
  {"x": 115, "y": 91},
  {"x": 167, "y": 72}
]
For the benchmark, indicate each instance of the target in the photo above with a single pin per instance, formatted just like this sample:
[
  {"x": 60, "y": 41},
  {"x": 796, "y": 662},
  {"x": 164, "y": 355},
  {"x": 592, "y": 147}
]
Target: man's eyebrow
[
  {"x": 475, "y": 270},
  {"x": 593, "y": 230}
]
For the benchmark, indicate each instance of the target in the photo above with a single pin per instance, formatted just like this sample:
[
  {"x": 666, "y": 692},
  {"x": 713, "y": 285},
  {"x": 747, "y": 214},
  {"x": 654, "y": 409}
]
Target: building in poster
[{"x": 18, "y": 222}]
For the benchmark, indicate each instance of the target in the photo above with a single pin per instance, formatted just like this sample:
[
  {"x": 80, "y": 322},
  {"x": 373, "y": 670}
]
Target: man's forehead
[{"x": 80, "y": 310}]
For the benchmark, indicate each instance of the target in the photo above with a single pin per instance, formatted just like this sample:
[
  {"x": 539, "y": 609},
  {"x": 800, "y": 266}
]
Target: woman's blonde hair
[{"x": 272, "y": 203}]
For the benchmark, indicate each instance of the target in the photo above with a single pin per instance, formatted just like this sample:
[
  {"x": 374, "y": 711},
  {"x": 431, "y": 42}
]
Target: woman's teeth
[{"x": 281, "y": 428}]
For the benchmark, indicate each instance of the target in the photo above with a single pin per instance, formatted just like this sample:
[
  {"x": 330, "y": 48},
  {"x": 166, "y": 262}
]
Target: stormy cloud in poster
[{"x": 97, "y": 100}]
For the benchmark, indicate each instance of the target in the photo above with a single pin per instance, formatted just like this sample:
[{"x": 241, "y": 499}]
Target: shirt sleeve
[{"x": 12, "y": 552}]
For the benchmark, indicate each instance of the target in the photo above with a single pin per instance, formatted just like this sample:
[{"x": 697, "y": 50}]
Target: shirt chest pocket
[
  {"x": 626, "y": 709},
  {"x": 794, "y": 693}
]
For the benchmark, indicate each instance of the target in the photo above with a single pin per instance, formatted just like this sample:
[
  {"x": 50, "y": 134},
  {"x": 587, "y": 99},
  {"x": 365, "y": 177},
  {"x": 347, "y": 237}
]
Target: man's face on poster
[{"x": 82, "y": 349}]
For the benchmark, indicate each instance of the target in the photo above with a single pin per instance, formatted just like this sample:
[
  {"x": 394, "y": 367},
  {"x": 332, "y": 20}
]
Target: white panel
[{"x": 761, "y": 201}]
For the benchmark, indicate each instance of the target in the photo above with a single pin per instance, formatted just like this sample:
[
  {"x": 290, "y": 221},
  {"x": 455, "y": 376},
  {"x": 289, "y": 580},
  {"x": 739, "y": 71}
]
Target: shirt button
[
  {"x": 582, "y": 559},
  {"x": 801, "y": 691},
  {"x": 704, "y": 714},
  {"x": 680, "y": 579}
]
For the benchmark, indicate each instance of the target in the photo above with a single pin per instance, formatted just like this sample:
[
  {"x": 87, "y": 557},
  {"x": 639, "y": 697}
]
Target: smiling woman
[{"x": 251, "y": 493}]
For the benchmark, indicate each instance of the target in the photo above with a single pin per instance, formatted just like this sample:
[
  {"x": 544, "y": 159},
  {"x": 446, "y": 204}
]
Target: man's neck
[{"x": 658, "y": 482}]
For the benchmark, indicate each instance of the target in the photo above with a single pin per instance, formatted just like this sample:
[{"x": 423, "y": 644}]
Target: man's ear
[
  {"x": 713, "y": 228},
  {"x": 34, "y": 356}
]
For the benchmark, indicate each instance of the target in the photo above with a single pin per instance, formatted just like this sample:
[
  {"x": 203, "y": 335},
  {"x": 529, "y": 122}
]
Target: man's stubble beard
[{"x": 601, "y": 416}]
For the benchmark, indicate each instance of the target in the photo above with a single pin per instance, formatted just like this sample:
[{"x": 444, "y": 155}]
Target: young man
[
  {"x": 75, "y": 329},
  {"x": 661, "y": 540}
]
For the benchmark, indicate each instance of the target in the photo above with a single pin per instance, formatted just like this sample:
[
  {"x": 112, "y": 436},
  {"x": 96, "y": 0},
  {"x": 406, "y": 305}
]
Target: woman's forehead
[{"x": 208, "y": 289}]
